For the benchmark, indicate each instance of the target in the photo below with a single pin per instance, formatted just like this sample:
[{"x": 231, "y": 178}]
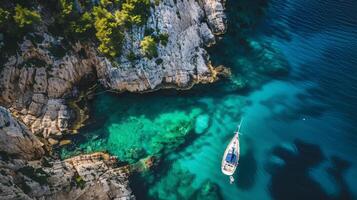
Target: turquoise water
[{"x": 299, "y": 131}]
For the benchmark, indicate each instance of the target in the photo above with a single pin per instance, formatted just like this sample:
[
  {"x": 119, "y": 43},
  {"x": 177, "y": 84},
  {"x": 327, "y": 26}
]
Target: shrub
[
  {"x": 4, "y": 17},
  {"x": 164, "y": 38},
  {"x": 138, "y": 11},
  {"x": 83, "y": 24},
  {"x": 106, "y": 3},
  {"x": 107, "y": 32},
  {"x": 158, "y": 61},
  {"x": 121, "y": 18},
  {"x": 25, "y": 17},
  {"x": 148, "y": 31},
  {"x": 148, "y": 47},
  {"x": 104, "y": 20},
  {"x": 80, "y": 182},
  {"x": 66, "y": 7},
  {"x": 131, "y": 56}
]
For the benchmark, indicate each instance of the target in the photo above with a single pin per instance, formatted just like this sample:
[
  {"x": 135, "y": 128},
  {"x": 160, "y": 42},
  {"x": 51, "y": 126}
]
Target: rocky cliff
[
  {"x": 191, "y": 26},
  {"x": 36, "y": 93},
  {"x": 36, "y": 83},
  {"x": 16, "y": 139},
  {"x": 25, "y": 173}
]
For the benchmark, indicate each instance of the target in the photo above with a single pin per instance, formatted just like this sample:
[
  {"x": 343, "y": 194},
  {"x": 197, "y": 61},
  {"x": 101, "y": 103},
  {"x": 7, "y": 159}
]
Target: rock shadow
[
  {"x": 291, "y": 180},
  {"x": 174, "y": 183},
  {"x": 284, "y": 110}
]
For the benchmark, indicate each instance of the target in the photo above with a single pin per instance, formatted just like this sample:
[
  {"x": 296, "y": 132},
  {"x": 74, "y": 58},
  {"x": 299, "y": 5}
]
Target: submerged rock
[
  {"x": 52, "y": 141},
  {"x": 209, "y": 191},
  {"x": 184, "y": 187},
  {"x": 202, "y": 123},
  {"x": 65, "y": 142}
]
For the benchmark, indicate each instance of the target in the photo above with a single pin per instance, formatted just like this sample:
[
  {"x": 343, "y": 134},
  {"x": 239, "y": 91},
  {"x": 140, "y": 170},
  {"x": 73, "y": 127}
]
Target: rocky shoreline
[
  {"x": 36, "y": 86},
  {"x": 26, "y": 173}
]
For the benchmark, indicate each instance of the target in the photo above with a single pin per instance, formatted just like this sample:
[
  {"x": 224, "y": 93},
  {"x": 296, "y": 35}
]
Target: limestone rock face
[
  {"x": 16, "y": 140},
  {"x": 90, "y": 176},
  {"x": 216, "y": 17},
  {"x": 36, "y": 83},
  {"x": 35, "y": 86},
  {"x": 27, "y": 174},
  {"x": 181, "y": 62},
  {"x": 87, "y": 177},
  {"x": 35, "y": 93}
]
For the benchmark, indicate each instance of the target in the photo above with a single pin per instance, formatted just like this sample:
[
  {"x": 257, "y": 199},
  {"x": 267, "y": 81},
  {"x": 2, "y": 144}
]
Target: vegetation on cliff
[
  {"x": 148, "y": 47},
  {"x": 103, "y": 22},
  {"x": 25, "y": 17}
]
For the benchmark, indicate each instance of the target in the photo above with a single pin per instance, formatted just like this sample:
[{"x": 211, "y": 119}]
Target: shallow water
[{"x": 299, "y": 131}]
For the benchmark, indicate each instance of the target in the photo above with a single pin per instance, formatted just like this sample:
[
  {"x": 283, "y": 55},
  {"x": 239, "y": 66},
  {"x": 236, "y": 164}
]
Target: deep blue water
[
  {"x": 300, "y": 128},
  {"x": 312, "y": 114},
  {"x": 300, "y": 138}
]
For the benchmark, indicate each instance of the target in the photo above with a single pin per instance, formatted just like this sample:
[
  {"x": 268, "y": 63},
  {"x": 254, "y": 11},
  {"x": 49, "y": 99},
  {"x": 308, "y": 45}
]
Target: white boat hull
[{"x": 232, "y": 151}]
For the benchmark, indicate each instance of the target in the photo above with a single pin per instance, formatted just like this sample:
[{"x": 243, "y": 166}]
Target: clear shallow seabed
[{"x": 299, "y": 132}]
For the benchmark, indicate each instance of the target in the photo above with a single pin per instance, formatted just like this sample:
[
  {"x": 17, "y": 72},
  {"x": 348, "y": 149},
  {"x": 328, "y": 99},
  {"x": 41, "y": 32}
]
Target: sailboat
[{"x": 231, "y": 156}]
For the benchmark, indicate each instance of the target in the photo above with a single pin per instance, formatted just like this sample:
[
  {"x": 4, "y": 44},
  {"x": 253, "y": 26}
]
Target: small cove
[{"x": 299, "y": 133}]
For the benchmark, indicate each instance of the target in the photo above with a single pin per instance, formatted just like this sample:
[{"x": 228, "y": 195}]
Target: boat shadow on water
[
  {"x": 247, "y": 168},
  {"x": 292, "y": 180}
]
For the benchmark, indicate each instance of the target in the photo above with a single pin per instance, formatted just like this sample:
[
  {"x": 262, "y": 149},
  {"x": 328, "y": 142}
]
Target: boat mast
[{"x": 238, "y": 128}]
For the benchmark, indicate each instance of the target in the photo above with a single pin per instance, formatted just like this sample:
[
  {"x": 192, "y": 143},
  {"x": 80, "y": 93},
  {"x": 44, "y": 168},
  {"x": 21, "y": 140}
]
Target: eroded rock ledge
[{"x": 25, "y": 173}]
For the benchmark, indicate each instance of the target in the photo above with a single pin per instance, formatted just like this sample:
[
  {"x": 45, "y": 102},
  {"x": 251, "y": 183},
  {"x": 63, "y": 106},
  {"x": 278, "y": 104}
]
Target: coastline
[{"x": 46, "y": 97}]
